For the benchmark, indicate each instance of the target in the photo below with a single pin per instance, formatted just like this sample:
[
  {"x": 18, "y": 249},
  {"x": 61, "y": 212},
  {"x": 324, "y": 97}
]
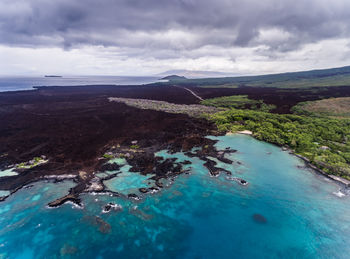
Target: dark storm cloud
[{"x": 172, "y": 25}]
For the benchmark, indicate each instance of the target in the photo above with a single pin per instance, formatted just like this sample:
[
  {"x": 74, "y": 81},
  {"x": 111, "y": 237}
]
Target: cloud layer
[{"x": 175, "y": 29}]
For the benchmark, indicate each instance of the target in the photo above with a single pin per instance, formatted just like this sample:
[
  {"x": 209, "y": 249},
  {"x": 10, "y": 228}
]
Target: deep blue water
[
  {"x": 197, "y": 216},
  {"x": 27, "y": 83}
]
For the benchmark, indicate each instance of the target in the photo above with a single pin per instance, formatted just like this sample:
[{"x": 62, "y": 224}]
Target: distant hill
[
  {"x": 304, "y": 79},
  {"x": 195, "y": 73},
  {"x": 174, "y": 78}
]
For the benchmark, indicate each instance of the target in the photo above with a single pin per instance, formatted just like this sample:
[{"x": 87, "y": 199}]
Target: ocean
[
  {"x": 286, "y": 211},
  {"x": 27, "y": 83}
]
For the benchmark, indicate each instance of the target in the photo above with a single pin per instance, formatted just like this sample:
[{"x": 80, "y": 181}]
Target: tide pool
[
  {"x": 128, "y": 182},
  {"x": 286, "y": 211}
]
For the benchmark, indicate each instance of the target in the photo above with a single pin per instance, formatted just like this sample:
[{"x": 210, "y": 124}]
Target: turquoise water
[
  {"x": 7, "y": 172},
  {"x": 4, "y": 193},
  {"x": 128, "y": 182},
  {"x": 118, "y": 161},
  {"x": 197, "y": 216}
]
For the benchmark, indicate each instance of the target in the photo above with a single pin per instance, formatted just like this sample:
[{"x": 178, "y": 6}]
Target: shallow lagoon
[
  {"x": 128, "y": 182},
  {"x": 197, "y": 216}
]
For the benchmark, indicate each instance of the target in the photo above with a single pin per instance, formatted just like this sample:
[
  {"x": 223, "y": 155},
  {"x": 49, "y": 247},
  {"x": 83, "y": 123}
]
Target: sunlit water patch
[
  {"x": 4, "y": 193},
  {"x": 284, "y": 212},
  {"x": 8, "y": 172},
  {"x": 118, "y": 161}
]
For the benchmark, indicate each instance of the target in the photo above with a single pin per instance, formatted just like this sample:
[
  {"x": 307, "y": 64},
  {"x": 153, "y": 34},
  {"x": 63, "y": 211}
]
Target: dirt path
[{"x": 193, "y": 93}]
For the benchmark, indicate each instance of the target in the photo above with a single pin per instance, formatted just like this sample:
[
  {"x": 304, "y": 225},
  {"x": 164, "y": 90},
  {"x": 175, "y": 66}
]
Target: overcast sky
[{"x": 145, "y": 37}]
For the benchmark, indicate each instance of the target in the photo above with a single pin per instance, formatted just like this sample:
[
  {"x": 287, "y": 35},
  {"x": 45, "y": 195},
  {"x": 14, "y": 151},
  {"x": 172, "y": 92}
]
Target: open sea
[
  {"x": 27, "y": 83},
  {"x": 286, "y": 211}
]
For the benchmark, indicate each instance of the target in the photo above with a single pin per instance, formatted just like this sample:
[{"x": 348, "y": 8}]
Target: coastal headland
[
  {"x": 71, "y": 132},
  {"x": 77, "y": 129}
]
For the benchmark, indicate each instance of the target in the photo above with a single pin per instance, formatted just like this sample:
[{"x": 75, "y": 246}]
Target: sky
[{"x": 147, "y": 37}]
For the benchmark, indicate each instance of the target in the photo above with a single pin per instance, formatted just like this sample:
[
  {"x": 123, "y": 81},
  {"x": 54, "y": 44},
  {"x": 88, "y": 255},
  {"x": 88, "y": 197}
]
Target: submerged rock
[
  {"x": 68, "y": 250},
  {"x": 186, "y": 162},
  {"x": 140, "y": 214},
  {"x": 229, "y": 150},
  {"x": 97, "y": 221},
  {"x": 143, "y": 190},
  {"x": 259, "y": 218}
]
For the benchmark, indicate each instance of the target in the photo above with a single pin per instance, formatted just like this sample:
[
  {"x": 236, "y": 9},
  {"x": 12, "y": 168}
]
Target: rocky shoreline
[
  {"x": 102, "y": 130},
  {"x": 344, "y": 182},
  {"x": 146, "y": 162},
  {"x": 142, "y": 160},
  {"x": 71, "y": 129},
  {"x": 57, "y": 133}
]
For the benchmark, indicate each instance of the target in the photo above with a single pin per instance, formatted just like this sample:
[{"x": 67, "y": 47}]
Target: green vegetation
[
  {"x": 235, "y": 101},
  {"x": 134, "y": 146},
  {"x": 324, "y": 141},
  {"x": 332, "y": 107},
  {"x": 220, "y": 86},
  {"x": 238, "y": 102},
  {"x": 21, "y": 165},
  {"x": 108, "y": 156},
  {"x": 32, "y": 163}
]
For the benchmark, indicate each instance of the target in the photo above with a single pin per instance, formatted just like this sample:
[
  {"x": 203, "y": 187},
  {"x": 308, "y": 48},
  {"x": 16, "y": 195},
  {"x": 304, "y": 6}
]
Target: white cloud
[
  {"x": 99, "y": 60},
  {"x": 145, "y": 37}
]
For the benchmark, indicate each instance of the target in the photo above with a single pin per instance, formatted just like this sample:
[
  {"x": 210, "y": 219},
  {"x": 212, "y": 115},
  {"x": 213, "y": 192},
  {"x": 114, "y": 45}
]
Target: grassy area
[
  {"x": 238, "y": 102},
  {"x": 332, "y": 107},
  {"x": 324, "y": 141},
  {"x": 220, "y": 86}
]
